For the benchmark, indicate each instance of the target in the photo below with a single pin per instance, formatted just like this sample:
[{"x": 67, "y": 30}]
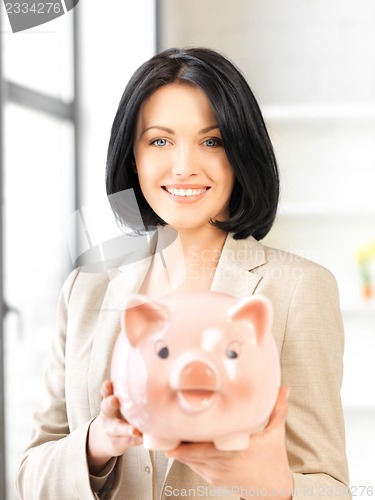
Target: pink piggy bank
[{"x": 199, "y": 366}]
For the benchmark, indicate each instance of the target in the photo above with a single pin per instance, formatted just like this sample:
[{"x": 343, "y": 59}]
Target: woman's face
[{"x": 183, "y": 170}]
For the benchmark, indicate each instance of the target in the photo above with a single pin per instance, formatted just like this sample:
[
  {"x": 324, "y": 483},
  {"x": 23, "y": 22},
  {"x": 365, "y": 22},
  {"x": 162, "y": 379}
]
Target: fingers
[
  {"x": 110, "y": 408},
  {"x": 110, "y": 405},
  {"x": 280, "y": 410},
  {"x": 110, "y": 435},
  {"x": 133, "y": 432},
  {"x": 106, "y": 389}
]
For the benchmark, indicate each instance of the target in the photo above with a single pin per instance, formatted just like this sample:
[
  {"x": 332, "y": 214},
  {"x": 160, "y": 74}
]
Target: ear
[
  {"x": 142, "y": 317},
  {"x": 255, "y": 310}
]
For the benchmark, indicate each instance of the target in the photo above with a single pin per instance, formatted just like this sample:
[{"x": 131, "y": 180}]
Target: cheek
[
  {"x": 144, "y": 181},
  {"x": 238, "y": 377},
  {"x": 150, "y": 169},
  {"x": 227, "y": 183},
  {"x": 230, "y": 177},
  {"x": 239, "y": 390},
  {"x": 227, "y": 176},
  {"x": 161, "y": 367},
  {"x": 147, "y": 179}
]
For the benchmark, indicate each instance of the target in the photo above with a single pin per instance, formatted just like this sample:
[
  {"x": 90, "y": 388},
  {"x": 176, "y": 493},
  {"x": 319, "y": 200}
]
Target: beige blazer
[{"x": 309, "y": 334}]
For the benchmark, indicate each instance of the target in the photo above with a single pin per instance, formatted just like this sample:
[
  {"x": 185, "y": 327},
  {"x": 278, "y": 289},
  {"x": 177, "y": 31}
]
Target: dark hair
[{"x": 253, "y": 203}]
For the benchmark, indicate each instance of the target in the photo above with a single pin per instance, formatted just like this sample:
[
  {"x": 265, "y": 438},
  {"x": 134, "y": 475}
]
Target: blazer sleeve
[
  {"x": 54, "y": 464},
  {"x": 312, "y": 366}
]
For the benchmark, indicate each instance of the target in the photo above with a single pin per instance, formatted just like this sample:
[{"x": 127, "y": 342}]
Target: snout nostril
[{"x": 198, "y": 374}]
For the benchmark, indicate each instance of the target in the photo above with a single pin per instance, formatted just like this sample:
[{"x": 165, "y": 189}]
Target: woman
[{"x": 189, "y": 139}]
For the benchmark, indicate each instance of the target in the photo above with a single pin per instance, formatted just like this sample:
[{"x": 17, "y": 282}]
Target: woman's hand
[
  {"x": 263, "y": 466},
  {"x": 110, "y": 434}
]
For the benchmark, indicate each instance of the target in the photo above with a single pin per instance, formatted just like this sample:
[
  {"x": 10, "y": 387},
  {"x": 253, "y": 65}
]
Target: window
[{"x": 38, "y": 192}]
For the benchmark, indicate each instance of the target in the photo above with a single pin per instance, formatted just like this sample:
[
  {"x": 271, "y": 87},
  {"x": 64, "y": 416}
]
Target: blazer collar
[
  {"x": 238, "y": 259},
  {"x": 233, "y": 274}
]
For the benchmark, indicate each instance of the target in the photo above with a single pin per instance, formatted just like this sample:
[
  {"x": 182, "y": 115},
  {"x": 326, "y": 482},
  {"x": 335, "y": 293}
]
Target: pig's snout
[
  {"x": 196, "y": 385},
  {"x": 198, "y": 375}
]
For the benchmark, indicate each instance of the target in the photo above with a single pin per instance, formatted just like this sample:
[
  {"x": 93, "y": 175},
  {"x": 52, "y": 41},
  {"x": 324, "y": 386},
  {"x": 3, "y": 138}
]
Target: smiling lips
[{"x": 190, "y": 192}]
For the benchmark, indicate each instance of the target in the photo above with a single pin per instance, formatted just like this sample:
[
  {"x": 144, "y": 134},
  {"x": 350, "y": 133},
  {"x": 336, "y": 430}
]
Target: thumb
[{"x": 280, "y": 410}]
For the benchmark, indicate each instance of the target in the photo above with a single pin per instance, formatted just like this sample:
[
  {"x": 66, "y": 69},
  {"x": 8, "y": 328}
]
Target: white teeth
[{"x": 185, "y": 192}]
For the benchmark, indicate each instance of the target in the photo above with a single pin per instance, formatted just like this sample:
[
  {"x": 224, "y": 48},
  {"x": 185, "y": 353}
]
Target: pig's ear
[
  {"x": 142, "y": 317},
  {"x": 255, "y": 310}
]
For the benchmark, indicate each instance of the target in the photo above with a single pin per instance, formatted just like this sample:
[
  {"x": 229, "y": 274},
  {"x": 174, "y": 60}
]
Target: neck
[
  {"x": 193, "y": 256},
  {"x": 184, "y": 260},
  {"x": 205, "y": 241}
]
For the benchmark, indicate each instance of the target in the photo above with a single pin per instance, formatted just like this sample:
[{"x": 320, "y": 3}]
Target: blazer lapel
[
  {"x": 234, "y": 274},
  {"x": 123, "y": 281}
]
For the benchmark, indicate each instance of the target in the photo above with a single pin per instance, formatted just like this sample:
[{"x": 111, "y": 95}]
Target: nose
[
  {"x": 185, "y": 162},
  {"x": 197, "y": 375}
]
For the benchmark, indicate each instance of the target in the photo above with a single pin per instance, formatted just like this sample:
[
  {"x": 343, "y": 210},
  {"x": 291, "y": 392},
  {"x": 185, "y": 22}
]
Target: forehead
[{"x": 176, "y": 102}]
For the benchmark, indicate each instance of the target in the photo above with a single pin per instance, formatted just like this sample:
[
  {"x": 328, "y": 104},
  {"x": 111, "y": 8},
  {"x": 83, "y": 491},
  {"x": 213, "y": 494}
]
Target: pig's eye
[
  {"x": 233, "y": 350},
  {"x": 161, "y": 350},
  {"x": 163, "y": 353},
  {"x": 231, "y": 354}
]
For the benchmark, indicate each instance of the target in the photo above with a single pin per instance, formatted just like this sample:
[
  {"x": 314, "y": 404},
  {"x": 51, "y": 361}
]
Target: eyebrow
[{"x": 170, "y": 131}]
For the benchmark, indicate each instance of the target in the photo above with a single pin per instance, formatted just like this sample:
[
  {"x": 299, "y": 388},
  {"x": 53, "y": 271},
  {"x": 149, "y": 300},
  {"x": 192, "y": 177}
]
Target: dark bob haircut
[{"x": 254, "y": 200}]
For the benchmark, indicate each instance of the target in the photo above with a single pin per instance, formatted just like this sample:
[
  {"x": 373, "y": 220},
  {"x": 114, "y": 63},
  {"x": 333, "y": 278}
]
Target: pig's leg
[
  {"x": 234, "y": 442},
  {"x": 158, "y": 443}
]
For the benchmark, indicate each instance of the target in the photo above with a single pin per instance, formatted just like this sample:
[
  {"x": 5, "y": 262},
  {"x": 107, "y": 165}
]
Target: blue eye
[
  {"x": 212, "y": 143},
  {"x": 159, "y": 142}
]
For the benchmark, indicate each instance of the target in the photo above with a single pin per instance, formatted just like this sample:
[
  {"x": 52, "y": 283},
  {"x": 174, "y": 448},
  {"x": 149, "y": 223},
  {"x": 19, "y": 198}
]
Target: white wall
[
  {"x": 115, "y": 38},
  {"x": 311, "y": 64}
]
